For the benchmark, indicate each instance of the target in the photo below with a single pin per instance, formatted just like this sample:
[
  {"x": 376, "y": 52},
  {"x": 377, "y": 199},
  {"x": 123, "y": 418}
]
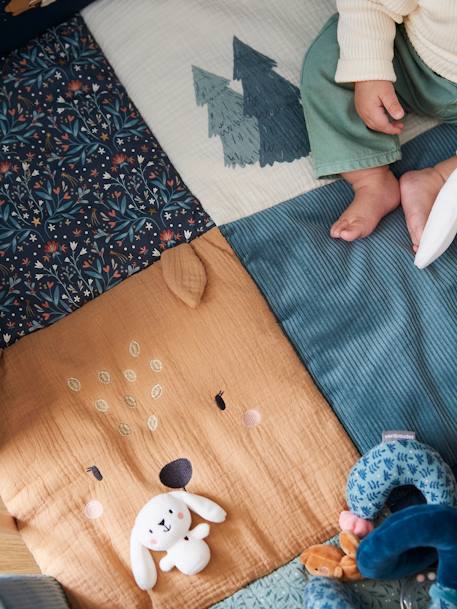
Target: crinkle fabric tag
[{"x": 395, "y": 434}]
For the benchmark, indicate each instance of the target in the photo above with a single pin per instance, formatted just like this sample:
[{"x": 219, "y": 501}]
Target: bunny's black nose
[{"x": 162, "y": 522}]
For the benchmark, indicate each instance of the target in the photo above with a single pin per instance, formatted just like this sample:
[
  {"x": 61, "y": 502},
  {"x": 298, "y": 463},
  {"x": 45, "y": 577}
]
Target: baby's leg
[
  {"x": 377, "y": 193},
  {"x": 342, "y": 144},
  {"x": 419, "y": 190}
]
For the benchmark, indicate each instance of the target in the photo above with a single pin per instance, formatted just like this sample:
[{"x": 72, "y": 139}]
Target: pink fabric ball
[{"x": 355, "y": 524}]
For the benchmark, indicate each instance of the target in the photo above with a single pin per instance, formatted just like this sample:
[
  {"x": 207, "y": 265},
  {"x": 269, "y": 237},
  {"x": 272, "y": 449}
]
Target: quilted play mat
[{"x": 175, "y": 318}]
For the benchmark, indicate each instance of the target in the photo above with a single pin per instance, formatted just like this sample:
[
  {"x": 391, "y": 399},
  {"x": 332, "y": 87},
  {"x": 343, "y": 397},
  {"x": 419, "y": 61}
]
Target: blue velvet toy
[
  {"x": 411, "y": 540},
  {"x": 407, "y": 541}
]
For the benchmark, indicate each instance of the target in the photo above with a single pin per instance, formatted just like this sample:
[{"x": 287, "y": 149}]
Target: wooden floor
[{"x": 14, "y": 556}]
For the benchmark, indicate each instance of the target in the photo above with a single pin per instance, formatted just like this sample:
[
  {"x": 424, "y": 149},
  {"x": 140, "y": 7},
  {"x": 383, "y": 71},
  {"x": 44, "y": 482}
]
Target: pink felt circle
[
  {"x": 252, "y": 418},
  {"x": 180, "y": 515},
  {"x": 93, "y": 509}
]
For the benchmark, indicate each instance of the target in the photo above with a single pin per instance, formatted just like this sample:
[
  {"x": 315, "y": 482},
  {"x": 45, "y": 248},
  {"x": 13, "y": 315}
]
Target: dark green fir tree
[{"x": 274, "y": 102}]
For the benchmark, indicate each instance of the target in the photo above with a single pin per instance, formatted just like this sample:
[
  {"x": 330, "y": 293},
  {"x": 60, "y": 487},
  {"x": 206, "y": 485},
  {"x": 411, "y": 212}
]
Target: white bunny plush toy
[{"x": 164, "y": 524}]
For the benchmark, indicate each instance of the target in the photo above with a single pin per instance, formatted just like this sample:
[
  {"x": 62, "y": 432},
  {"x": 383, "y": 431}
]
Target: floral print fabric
[
  {"x": 87, "y": 196},
  {"x": 285, "y": 589}
]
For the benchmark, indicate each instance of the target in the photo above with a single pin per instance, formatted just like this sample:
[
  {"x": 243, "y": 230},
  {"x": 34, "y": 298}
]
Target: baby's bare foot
[
  {"x": 377, "y": 193},
  {"x": 419, "y": 190}
]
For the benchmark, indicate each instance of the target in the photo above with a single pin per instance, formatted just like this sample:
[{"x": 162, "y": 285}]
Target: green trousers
[{"x": 339, "y": 139}]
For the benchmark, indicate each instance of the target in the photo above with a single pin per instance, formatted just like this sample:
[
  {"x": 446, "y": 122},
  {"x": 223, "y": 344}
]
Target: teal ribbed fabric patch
[{"x": 378, "y": 335}]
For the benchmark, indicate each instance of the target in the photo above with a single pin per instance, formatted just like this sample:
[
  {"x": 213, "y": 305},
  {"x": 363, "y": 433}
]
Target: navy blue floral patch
[{"x": 87, "y": 196}]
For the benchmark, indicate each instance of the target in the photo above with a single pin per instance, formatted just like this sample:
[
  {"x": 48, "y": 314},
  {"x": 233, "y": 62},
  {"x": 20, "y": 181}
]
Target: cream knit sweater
[{"x": 366, "y": 32}]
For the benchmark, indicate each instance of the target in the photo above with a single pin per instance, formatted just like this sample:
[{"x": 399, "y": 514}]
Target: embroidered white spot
[
  {"x": 134, "y": 348},
  {"x": 124, "y": 429},
  {"x": 93, "y": 509},
  {"x": 104, "y": 377},
  {"x": 156, "y": 392},
  {"x": 101, "y": 405},
  {"x": 153, "y": 422},
  {"x": 252, "y": 418},
  {"x": 156, "y": 365},
  {"x": 130, "y": 375},
  {"x": 74, "y": 384},
  {"x": 130, "y": 401}
]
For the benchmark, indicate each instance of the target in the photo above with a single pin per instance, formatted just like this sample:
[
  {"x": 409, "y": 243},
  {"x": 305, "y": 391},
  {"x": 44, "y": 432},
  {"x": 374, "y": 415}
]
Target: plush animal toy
[
  {"x": 406, "y": 542},
  {"x": 164, "y": 524},
  {"x": 329, "y": 561}
]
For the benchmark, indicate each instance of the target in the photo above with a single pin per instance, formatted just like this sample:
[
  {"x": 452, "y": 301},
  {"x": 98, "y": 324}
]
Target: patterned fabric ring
[
  {"x": 400, "y": 463},
  {"x": 87, "y": 196}
]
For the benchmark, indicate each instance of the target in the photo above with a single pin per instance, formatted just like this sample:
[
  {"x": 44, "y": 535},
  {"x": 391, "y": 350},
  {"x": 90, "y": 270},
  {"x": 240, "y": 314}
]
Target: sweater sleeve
[{"x": 366, "y": 32}]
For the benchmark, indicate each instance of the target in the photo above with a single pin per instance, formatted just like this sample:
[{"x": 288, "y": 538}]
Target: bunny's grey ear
[
  {"x": 205, "y": 508},
  {"x": 184, "y": 274},
  {"x": 143, "y": 566}
]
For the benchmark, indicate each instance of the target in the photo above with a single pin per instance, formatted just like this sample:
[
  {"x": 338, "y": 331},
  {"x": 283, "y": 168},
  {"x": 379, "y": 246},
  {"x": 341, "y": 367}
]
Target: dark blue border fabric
[
  {"x": 87, "y": 195},
  {"x": 378, "y": 335},
  {"x": 21, "y": 20}
]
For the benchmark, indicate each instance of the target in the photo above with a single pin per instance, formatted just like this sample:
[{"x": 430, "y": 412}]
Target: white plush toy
[
  {"x": 164, "y": 524},
  {"x": 441, "y": 227}
]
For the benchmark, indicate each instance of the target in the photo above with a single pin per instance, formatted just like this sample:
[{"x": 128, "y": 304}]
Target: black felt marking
[
  {"x": 220, "y": 400},
  {"x": 176, "y": 474},
  {"x": 97, "y": 473}
]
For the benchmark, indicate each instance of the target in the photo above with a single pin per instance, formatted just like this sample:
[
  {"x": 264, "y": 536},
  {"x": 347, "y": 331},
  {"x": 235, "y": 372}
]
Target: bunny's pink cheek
[
  {"x": 153, "y": 541},
  {"x": 180, "y": 515}
]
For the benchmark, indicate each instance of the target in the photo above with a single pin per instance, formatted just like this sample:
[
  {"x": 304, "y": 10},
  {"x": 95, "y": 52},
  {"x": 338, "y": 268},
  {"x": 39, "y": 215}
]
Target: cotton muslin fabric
[{"x": 97, "y": 404}]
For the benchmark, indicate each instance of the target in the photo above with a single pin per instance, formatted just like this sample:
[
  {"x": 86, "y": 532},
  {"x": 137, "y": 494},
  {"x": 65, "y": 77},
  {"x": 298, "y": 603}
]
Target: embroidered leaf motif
[
  {"x": 156, "y": 391},
  {"x": 104, "y": 377},
  {"x": 124, "y": 429},
  {"x": 156, "y": 365},
  {"x": 153, "y": 422},
  {"x": 130, "y": 400},
  {"x": 130, "y": 375},
  {"x": 74, "y": 384},
  {"x": 134, "y": 349},
  {"x": 101, "y": 405}
]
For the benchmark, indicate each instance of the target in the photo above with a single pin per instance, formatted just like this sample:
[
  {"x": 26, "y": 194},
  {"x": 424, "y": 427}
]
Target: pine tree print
[
  {"x": 239, "y": 133},
  {"x": 274, "y": 102}
]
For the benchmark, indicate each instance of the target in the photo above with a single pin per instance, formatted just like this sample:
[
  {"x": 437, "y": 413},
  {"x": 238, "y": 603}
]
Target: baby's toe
[
  {"x": 340, "y": 225},
  {"x": 416, "y": 224},
  {"x": 352, "y": 230}
]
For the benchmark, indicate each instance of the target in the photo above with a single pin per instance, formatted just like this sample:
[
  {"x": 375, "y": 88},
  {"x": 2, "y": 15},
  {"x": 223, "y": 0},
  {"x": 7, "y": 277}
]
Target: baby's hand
[{"x": 374, "y": 100}]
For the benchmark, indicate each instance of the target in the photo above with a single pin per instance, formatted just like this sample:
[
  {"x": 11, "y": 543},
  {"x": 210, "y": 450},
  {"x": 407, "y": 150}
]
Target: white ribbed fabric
[
  {"x": 366, "y": 32},
  {"x": 153, "y": 44}
]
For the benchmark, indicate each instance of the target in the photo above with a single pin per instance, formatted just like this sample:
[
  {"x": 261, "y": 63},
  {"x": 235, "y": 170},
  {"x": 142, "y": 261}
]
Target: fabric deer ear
[{"x": 184, "y": 274}]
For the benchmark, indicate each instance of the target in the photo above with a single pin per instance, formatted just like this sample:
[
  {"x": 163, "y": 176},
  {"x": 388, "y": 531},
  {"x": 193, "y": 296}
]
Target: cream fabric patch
[{"x": 217, "y": 82}]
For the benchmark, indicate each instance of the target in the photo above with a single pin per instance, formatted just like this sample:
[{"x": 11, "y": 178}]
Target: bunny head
[{"x": 162, "y": 522}]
